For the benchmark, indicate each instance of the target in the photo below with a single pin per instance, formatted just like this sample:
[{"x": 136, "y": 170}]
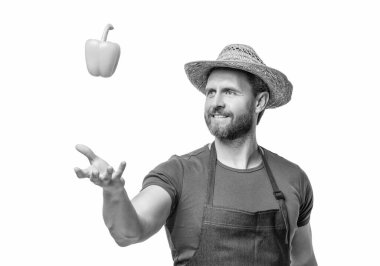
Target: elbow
[{"x": 123, "y": 240}]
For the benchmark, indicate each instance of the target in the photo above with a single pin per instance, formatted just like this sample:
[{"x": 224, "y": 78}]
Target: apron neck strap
[
  {"x": 276, "y": 191},
  {"x": 278, "y": 194},
  {"x": 211, "y": 175}
]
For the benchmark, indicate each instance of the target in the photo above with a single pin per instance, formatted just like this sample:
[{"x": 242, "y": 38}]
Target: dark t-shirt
[{"x": 185, "y": 179}]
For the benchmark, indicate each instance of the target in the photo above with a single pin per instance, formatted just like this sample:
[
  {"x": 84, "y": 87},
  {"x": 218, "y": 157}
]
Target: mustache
[{"x": 218, "y": 111}]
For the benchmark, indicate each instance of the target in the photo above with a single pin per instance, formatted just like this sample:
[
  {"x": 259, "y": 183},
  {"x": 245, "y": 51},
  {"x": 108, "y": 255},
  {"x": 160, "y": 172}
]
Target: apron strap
[
  {"x": 278, "y": 194},
  {"x": 211, "y": 175}
]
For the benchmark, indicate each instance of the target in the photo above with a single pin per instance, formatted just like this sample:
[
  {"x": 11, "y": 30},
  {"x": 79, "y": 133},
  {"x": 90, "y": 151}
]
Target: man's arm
[
  {"x": 130, "y": 222},
  {"x": 302, "y": 248}
]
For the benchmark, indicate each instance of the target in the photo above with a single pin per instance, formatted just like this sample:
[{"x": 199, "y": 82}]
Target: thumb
[{"x": 86, "y": 151}]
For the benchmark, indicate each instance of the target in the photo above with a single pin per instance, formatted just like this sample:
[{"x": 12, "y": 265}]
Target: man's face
[{"x": 229, "y": 106}]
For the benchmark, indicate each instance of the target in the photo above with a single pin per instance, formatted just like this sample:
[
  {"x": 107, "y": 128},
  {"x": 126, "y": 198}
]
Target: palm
[
  {"x": 99, "y": 171},
  {"x": 99, "y": 164}
]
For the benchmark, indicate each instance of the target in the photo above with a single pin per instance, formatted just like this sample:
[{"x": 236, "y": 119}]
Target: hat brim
[{"x": 280, "y": 88}]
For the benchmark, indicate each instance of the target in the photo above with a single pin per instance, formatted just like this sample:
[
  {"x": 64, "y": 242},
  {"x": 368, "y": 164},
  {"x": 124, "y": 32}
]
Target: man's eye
[
  {"x": 229, "y": 92},
  {"x": 210, "y": 93}
]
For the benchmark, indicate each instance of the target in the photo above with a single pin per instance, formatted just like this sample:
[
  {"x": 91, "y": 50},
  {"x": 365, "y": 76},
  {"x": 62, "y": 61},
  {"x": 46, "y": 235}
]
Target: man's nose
[{"x": 219, "y": 100}]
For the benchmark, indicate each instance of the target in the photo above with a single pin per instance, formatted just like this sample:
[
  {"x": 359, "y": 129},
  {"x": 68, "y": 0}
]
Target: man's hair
[{"x": 257, "y": 85}]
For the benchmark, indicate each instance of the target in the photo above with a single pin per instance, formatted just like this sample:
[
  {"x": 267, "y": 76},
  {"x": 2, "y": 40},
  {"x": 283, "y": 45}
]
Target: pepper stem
[{"x": 105, "y": 32}]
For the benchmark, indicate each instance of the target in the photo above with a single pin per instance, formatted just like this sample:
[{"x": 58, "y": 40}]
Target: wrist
[{"x": 114, "y": 193}]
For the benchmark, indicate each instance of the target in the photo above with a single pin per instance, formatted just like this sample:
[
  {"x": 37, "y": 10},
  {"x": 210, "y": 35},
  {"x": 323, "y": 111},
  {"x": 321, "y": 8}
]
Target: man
[{"x": 230, "y": 202}]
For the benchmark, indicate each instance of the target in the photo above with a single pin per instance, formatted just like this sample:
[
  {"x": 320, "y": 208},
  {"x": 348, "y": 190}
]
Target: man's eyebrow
[{"x": 231, "y": 89}]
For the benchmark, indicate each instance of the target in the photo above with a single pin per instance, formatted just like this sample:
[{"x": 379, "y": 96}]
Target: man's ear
[{"x": 262, "y": 99}]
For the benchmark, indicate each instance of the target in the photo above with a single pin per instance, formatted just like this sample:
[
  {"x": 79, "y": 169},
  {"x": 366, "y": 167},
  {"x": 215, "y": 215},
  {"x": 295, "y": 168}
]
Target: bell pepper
[{"x": 102, "y": 56}]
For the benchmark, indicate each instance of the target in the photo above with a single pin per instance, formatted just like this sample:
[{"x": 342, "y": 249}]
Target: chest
[{"x": 247, "y": 190}]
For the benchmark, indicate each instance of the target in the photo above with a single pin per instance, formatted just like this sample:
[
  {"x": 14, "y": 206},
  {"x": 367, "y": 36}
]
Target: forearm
[{"x": 121, "y": 218}]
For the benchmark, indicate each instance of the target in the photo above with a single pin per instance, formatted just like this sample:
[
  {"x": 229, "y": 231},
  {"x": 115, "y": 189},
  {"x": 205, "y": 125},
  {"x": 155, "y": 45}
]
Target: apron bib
[{"x": 233, "y": 237}]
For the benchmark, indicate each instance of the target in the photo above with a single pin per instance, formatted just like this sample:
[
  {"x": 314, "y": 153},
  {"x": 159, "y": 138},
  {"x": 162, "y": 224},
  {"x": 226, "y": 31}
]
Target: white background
[{"x": 148, "y": 110}]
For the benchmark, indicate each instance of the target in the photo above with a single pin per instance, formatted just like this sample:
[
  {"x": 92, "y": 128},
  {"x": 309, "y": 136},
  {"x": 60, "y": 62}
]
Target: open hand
[{"x": 99, "y": 171}]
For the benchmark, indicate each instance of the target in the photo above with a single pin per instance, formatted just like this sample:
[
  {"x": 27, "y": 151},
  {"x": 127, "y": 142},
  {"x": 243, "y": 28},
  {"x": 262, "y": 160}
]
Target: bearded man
[{"x": 231, "y": 202}]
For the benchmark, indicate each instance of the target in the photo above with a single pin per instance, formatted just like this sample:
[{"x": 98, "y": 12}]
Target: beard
[{"x": 238, "y": 126}]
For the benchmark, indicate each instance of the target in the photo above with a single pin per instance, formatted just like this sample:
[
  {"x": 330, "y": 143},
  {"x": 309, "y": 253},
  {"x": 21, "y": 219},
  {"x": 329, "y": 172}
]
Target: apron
[{"x": 233, "y": 237}]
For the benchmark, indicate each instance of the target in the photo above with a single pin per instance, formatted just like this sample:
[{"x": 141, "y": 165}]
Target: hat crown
[{"x": 239, "y": 52}]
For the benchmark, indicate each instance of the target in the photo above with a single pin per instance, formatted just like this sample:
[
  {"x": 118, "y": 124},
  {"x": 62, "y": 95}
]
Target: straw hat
[{"x": 243, "y": 57}]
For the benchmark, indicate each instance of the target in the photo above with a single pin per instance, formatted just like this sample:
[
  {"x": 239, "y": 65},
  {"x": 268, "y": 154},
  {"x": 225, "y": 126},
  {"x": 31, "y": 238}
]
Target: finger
[
  {"x": 120, "y": 170},
  {"x": 108, "y": 175},
  {"x": 82, "y": 173},
  {"x": 95, "y": 177},
  {"x": 86, "y": 151}
]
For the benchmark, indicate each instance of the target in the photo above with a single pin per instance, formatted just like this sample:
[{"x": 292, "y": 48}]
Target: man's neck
[{"x": 240, "y": 154}]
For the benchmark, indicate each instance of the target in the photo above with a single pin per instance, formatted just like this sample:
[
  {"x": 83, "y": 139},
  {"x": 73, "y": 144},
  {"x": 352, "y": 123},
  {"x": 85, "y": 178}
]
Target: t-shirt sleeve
[
  {"x": 306, "y": 201},
  {"x": 167, "y": 175}
]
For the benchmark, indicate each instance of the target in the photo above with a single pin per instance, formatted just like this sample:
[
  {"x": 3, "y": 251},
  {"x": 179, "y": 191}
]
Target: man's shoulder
[
  {"x": 177, "y": 161},
  {"x": 200, "y": 152},
  {"x": 176, "y": 164},
  {"x": 191, "y": 159},
  {"x": 283, "y": 165},
  {"x": 278, "y": 158}
]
